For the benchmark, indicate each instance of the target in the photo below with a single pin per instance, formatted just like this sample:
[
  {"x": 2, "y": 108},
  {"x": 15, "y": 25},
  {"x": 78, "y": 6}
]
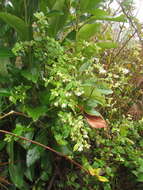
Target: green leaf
[
  {"x": 105, "y": 91},
  {"x": 31, "y": 75},
  {"x": 96, "y": 172},
  {"x": 84, "y": 67},
  {"x": 44, "y": 176},
  {"x": 107, "y": 45},
  {"x": 57, "y": 22},
  {"x": 123, "y": 131},
  {"x": 29, "y": 173},
  {"x": 2, "y": 144},
  {"x": 28, "y": 135},
  {"x": 87, "y": 5},
  {"x": 55, "y": 13},
  {"x": 4, "y": 62},
  {"x": 90, "y": 82},
  {"x": 4, "y": 92},
  {"x": 93, "y": 93},
  {"x": 103, "y": 88},
  {"x": 60, "y": 140},
  {"x": 35, "y": 152},
  {"x": 48, "y": 3},
  {"x": 91, "y": 103},
  {"x": 19, "y": 129},
  {"x": 16, "y": 175},
  {"x": 16, "y": 171},
  {"x": 44, "y": 97},
  {"x": 102, "y": 179},
  {"x": 5, "y": 52},
  {"x": 91, "y": 111},
  {"x": 140, "y": 177},
  {"x": 88, "y": 31},
  {"x": 99, "y": 12},
  {"x": 17, "y": 23},
  {"x": 36, "y": 112},
  {"x": 120, "y": 18}
]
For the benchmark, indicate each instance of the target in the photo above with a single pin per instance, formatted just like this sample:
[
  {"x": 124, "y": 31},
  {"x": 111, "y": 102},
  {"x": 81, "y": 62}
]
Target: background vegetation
[{"x": 70, "y": 95}]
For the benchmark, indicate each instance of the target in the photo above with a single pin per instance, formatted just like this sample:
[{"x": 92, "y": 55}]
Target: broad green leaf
[
  {"x": 17, "y": 23},
  {"x": 140, "y": 177},
  {"x": 31, "y": 75},
  {"x": 85, "y": 66},
  {"x": 120, "y": 18},
  {"x": 91, "y": 103},
  {"x": 58, "y": 21},
  {"x": 88, "y": 31},
  {"x": 91, "y": 50},
  {"x": 16, "y": 175},
  {"x": 54, "y": 13},
  {"x": 87, "y": 5},
  {"x": 107, "y": 45},
  {"x": 19, "y": 129},
  {"x": 49, "y": 3},
  {"x": 91, "y": 111},
  {"x": 99, "y": 12},
  {"x": 2, "y": 144},
  {"x": 36, "y": 112},
  {"x": 103, "y": 88},
  {"x": 35, "y": 152},
  {"x": 16, "y": 171},
  {"x": 93, "y": 93},
  {"x": 5, "y": 52},
  {"x": 90, "y": 82},
  {"x": 4, "y": 92},
  {"x": 105, "y": 91},
  {"x": 29, "y": 173}
]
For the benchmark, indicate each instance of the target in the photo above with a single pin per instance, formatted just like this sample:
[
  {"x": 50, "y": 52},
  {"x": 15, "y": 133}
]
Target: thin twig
[
  {"x": 124, "y": 45},
  {"x": 11, "y": 113},
  {"x": 51, "y": 181},
  {"x": 2, "y": 185},
  {"x": 48, "y": 148},
  {"x": 131, "y": 21}
]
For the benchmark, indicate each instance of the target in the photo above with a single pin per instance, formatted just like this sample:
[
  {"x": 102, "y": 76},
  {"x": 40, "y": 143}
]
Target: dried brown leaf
[{"x": 95, "y": 121}]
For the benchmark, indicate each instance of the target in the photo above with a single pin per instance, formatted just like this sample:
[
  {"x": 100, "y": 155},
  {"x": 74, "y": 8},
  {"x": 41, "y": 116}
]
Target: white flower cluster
[{"x": 79, "y": 135}]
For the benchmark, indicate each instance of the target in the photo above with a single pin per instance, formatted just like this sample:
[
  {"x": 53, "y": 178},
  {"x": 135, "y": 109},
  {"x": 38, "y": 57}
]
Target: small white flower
[
  {"x": 126, "y": 71},
  {"x": 80, "y": 148},
  {"x": 79, "y": 93},
  {"x": 56, "y": 104},
  {"x": 102, "y": 71},
  {"x": 64, "y": 105}
]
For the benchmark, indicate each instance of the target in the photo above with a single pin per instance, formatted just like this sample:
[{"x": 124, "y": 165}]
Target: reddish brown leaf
[{"x": 95, "y": 121}]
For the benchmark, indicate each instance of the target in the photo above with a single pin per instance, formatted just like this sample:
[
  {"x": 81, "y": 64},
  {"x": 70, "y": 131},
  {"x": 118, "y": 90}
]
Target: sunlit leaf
[
  {"x": 107, "y": 45},
  {"x": 96, "y": 172},
  {"x": 88, "y": 31}
]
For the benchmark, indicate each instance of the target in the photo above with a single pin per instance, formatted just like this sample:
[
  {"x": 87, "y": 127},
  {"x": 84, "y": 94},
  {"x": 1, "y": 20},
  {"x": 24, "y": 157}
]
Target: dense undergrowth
[{"x": 71, "y": 109}]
